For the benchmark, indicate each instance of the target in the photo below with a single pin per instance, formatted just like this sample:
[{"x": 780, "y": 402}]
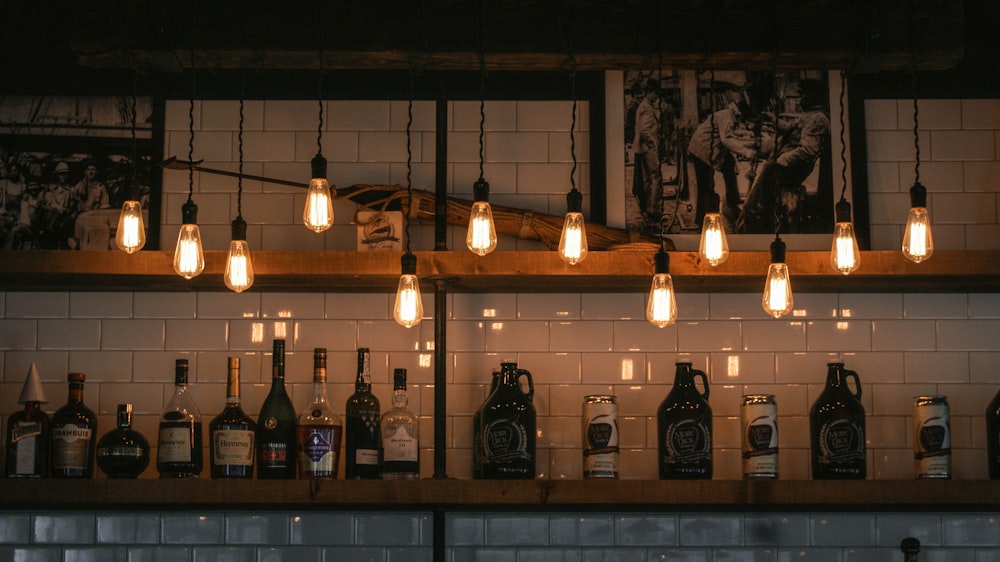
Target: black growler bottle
[
  {"x": 837, "y": 428},
  {"x": 508, "y": 427},
  {"x": 477, "y": 426},
  {"x": 993, "y": 436},
  {"x": 684, "y": 428}
]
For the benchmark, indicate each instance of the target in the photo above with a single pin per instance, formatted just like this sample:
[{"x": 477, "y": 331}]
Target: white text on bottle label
[
  {"x": 69, "y": 447},
  {"x": 400, "y": 446}
]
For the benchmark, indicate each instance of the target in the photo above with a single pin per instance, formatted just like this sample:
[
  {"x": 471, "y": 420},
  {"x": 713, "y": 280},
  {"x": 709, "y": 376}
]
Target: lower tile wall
[{"x": 312, "y": 536}]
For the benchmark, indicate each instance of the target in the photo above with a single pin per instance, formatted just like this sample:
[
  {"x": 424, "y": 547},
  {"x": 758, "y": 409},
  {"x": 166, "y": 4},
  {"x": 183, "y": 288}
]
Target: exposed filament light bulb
[
  {"x": 318, "y": 213},
  {"x": 239, "y": 268},
  {"x": 189, "y": 259},
  {"x": 777, "y": 300},
  {"x": 573, "y": 240},
  {"x": 844, "y": 254},
  {"x": 409, "y": 308},
  {"x": 661, "y": 307},
  {"x": 918, "y": 245},
  {"x": 713, "y": 247},
  {"x": 481, "y": 237},
  {"x": 131, "y": 234}
]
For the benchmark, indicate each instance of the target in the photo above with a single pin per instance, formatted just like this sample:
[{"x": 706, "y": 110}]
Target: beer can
[
  {"x": 931, "y": 437},
  {"x": 759, "y": 420},
  {"x": 600, "y": 437}
]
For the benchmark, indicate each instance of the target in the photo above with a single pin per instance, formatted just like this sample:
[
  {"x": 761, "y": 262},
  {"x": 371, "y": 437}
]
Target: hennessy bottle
[
  {"x": 684, "y": 428},
  {"x": 837, "y": 428},
  {"x": 231, "y": 433},
  {"x": 178, "y": 450}
]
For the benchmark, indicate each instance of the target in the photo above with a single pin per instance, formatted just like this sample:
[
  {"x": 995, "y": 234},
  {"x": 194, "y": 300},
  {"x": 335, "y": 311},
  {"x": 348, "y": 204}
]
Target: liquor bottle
[
  {"x": 276, "y": 424},
  {"x": 477, "y": 426},
  {"x": 508, "y": 427},
  {"x": 123, "y": 452},
  {"x": 684, "y": 428},
  {"x": 400, "y": 435},
  {"x": 29, "y": 432},
  {"x": 231, "y": 433},
  {"x": 363, "y": 434},
  {"x": 178, "y": 452},
  {"x": 73, "y": 429},
  {"x": 837, "y": 428},
  {"x": 993, "y": 436},
  {"x": 319, "y": 430}
]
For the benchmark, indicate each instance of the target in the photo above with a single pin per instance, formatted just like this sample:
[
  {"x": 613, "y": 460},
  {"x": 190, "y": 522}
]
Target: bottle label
[
  {"x": 232, "y": 447},
  {"x": 688, "y": 441},
  {"x": 366, "y": 456},
  {"x": 273, "y": 455},
  {"x": 505, "y": 440},
  {"x": 841, "y": 441},
  {"x": 174, "y": 444},
  {"x": 317, "y": 454},
  {"x": 400, "y": 446},
  {"x": 25, "y": 430},
  {"x": 23, "y": 435},
  {"x": 70, "y": 446},
  {"x": 120, "y": 451}
]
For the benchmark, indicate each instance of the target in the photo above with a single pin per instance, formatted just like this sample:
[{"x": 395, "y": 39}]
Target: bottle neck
[
  {"x": 683, "y": 377},
  {"x": 124, "y": 421},
  {"x": 834, "y": 377},
  {"x": 233, "y": 387},
  {"x": 319, "y": 390},
  {"x": 32, "y": 407},
  {"x": 399, "y": 399},
  {"x": 76, "y": 392}
]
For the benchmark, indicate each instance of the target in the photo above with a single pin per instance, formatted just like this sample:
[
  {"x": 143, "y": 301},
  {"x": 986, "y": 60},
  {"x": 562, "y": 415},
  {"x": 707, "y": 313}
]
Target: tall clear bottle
[
  {"x": 400, "y": 435},
  {"x": 276, "y": 424},
  {"x": 993, "y": 437},
  {"x": 363, "y": 433},
  {"x": 318, "y": 434},
  {"x": 178, "y": 452},
  {"x": 74, "y": 434},
  {"x": 477, "y": 431},
  {"x": 684, "y": 428},
  {"x": 29, "y": 432},
  {"x": 231, "y": 433},
  {"x": 837, "y": 428}
]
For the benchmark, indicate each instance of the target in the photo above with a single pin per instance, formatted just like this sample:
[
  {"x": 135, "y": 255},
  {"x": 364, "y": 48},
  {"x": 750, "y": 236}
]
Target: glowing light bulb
[
  {"x": 481, "y": 237},
  {"x": 409, "y": 308},
  {"x": 573, "y": 240},
  {"x": 131, "y": 234},
  {"x": 661, "y": 307},
  {"x": 844, "y": 254},
  {"x": 714, "y": 248},
  {"x": 239, "y": 267},
  {"x": 777, "y": 300},
  {"x": 318, "y": 212},
  {"x": 189, "y": 259},
  {"x": 918, "y": 245}
]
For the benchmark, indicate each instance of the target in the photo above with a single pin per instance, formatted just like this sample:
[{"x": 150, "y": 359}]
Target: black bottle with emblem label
[
  {"x": 684, "y": 428},
  {"x": 837, "y": 428},
  {"x": 276, "y": 425},
  {"x": 508, "y": 427},
  {"x": 363, "y": 426}
]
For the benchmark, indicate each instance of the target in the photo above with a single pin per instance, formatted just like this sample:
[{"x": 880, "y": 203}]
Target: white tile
[
  {"x": 880, "y": 367},
  {"x": 640, "y": 335},
  {"x": 802, "y": 367},
  {"x": 195, "y": 335},
  {"x": 267, "y": 208},
  {"x": 792, "y": 400},
  {"x": 933, "y": 114},
  {"x": 742, "y": 368},
  {"x": 52, "y": 366},
  {"x": 902, "y": 335},
  {"x": 228, "y": 305},
  {"x": 292, "y": 305},
  {"x": 550, "y": 368},
  {"x": 613, "y": 368},
  {"x": 883, "y": 177},
  {"x": 881, "y": 114},
  {"x": 132, "y": 334},
  {"x": 37, "y": 305},
  {"x": 424, "y": 115},
  {"x": 613, "y": 306},
  {"x": 581, "y": 336},
  {"x": 358, "y": 115},
  {"x": 292, "y": 115},
  {"x": 936, "y": 366},
  {"x": 224, "y": 115},
  {"x": 961, "y": 145},
  {"x": 146, "y": 398},
  {"x": 102, "y": 366},
  {"x": 530, "y": 335},
  {"x": 554, "y": 306},
  {"x": 309, "y": 334},
  {"x": 839, "y": 335},
  {"x": 636, "y": 400},
  {"x": 387, "y": 335},
  {"x": 500, "y": 116},
  {"x": 981, "y": 176},
  {"x": 856, "y": 306},
  {"x": 815, "y": 305},
  {"x": 735, "y": 305},
  {"x": 375, "y": 306},
  {"x": 213, "y": 366},
  {"x": 897, "y": 399},
  {"x": 475, "y": 367},
  {"x": 979, "y": 335},
  {"x": 100, "y": 305},
  {"x": 69, "y": 334},
  {"x": 382, "y": 146},
  {"x": 885, "y": 431},
  {"x": 543, "y": 178},
  {"x": 776, "y": 335},
  {"x": 18, "y": 334},
  {"x": 982, "y": 367},
  {"x": 157, "y": 366},
  {"x": 567, "y": 399},
  {"x": 516, "y": 147}
]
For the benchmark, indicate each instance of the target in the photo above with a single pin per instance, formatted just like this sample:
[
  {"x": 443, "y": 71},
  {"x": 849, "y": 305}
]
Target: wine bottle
[
  {"x": 29, "y": 432},
  {"x": 684, "y": 428},
  {"x": 477, "y": 423},
  {"x": 123, "y": 452},
  {"x": 319, "y": 430},
  {"x": 993, "y": 437},
  {"x": 276, "y": 424},
  {"x": 178, "y": 452},
  {"x": 231, "y": 433},
  {"x": 363, "y": 454},
  {"x": 400, "y": 435},
  {"x": 73, "y": 429}
]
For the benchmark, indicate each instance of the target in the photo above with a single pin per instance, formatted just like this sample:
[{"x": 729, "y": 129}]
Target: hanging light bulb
[
  {"x": 318, "y": 214},
  {"x": 131, "y": 234},
  {"x": 713, "y": 247},
  {"x": 777, "y": 299},
  {"x": 189, "y": 259},
  {"x": 918, "y": 245},
  {"x": 573, "y": 240},
  {"x": 409, "y": 308},
  {"x": 661, "y": 307},
  {"x": 844, "y": 254},
  {"x": 239, "y": 268},
  {"x": 481, "y": 237}
]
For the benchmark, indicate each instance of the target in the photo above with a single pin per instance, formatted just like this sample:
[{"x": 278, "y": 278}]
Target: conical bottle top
[{"x": 32, "y": 390}]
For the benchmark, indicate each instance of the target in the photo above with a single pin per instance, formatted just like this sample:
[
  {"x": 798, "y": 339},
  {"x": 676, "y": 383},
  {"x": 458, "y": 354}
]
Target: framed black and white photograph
[
  {"x": 767, "y": 146},
  {"x": 66, "y": 166}
]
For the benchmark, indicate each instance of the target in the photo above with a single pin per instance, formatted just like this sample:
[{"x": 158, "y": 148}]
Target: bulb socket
[
  {"x": 574, "y": 201},
  {"x": 661, "y": 261},
  {"x": 843, "y": 211},
  {"x": 918, "y": 195},
  {"x": 714, "y": 204},
  {"x": 778, "y": 251},
  {"x": 239, "y": 229},
  {"x": 189, "y": 213},
  {"x": 409, "y": 264},
  {"x": 481, "y": 191},
  {"x": 318, "y": 167}
]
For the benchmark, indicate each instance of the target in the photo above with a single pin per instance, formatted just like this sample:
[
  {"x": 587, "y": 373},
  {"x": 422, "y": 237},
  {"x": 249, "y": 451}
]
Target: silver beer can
[
  {"x": 600, "y": 436},
  {"x": 759, "y": 420},
  {"x": 931, "y": 437}
]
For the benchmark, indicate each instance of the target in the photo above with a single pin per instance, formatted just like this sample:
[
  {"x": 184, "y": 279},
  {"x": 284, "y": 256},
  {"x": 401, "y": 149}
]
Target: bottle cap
[
  {"x": 32, "y": 390},
  {"x": 399, "y": 379}
]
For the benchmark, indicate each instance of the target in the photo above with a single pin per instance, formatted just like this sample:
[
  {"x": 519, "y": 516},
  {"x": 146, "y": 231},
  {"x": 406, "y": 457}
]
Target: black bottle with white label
[
  {"x": 684, "y": 428},
  {"x": 837, "y": 428}
]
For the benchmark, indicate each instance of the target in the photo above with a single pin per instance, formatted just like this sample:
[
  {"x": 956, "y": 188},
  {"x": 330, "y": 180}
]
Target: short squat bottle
[
  {"x": 74, "y": 434},
  {"x": 123, "y": 452},
  {"x": 684, "y": 428},
  {"x": 400, "y": 435},
  {"x": 508, "y": 427},
  {"x": 363, "y": 432},
  {"x": 837, "y": 428},
  {"x": 231, "y": 433},
  {"x": 178, "y": 450},
  {"x": 993, "y": 436},
  {"x": 319, "y": 430}
]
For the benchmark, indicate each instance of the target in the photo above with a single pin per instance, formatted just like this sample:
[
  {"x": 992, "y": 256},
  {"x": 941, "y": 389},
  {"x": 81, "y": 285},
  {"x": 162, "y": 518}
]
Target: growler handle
[
  {"x": 531, "y": 385},
  {"x": 857, "y": 382},
  {"x": 704, "y": 381}
]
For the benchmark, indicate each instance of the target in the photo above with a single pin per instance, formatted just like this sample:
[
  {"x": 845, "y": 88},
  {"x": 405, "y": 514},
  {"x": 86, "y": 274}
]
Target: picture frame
[
  {"x": 800, "y": 204},
  {"x": 66, "y": 167}
]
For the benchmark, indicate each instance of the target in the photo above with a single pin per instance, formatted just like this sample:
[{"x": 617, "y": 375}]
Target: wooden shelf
[
  {"x": 538, "y": 272},
  {"x": 864, "y": 495}
]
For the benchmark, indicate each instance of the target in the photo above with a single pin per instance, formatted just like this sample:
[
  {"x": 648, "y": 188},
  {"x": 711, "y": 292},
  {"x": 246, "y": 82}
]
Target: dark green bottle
[{"x": 276, "y": 452}]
